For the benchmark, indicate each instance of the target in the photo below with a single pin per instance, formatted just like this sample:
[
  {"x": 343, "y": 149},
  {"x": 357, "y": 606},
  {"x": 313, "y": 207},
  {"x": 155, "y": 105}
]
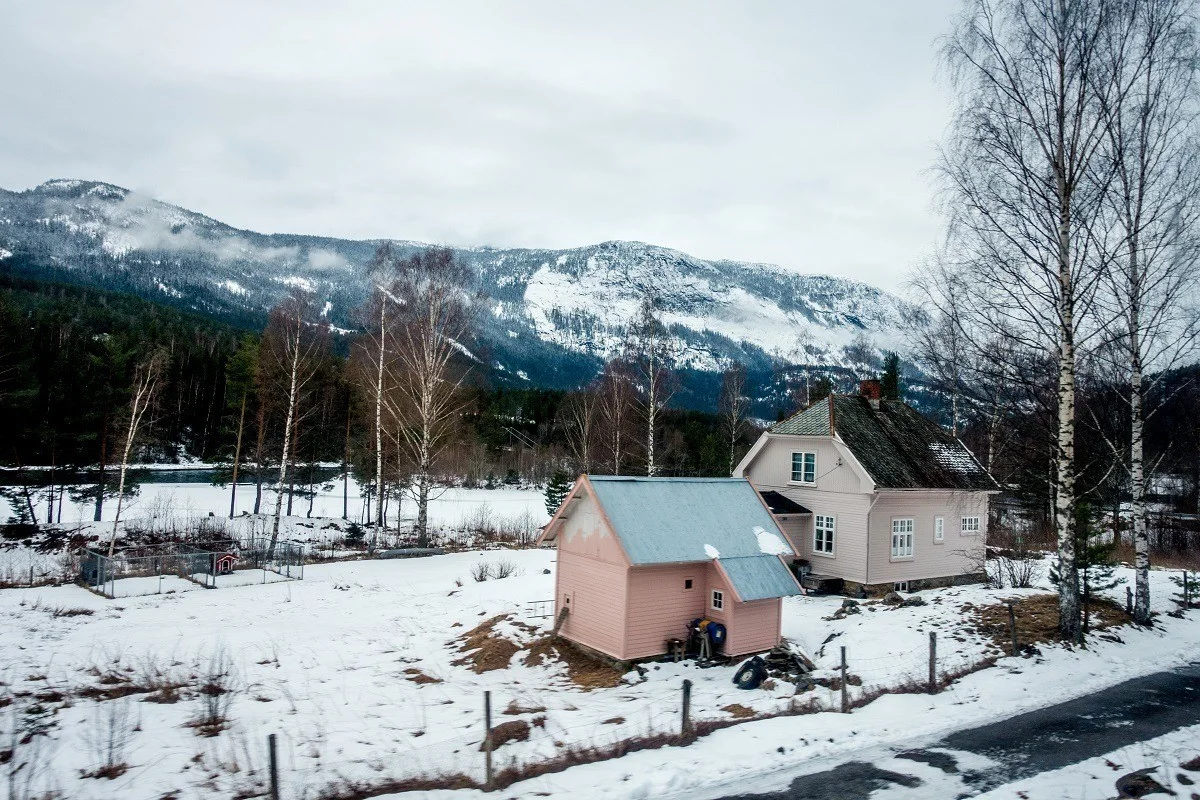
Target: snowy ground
[{"x": 353, "y": 669}]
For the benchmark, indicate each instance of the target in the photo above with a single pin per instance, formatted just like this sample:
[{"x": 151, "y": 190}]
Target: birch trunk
[
  {"x": 1137, "y": 475},
  {"x": 287, "y": 441},
  {"x": 1064, "y": 500},
  {"x": 237, "y": 457}
]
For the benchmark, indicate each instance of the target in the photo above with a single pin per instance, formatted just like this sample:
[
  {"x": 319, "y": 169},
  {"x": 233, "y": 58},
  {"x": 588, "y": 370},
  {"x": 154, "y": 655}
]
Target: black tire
[{"x": 751, "y": 674}]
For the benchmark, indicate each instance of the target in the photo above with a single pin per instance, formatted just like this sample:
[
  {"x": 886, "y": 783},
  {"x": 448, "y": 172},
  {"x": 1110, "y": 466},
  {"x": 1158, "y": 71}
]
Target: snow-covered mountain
[{"x": 555, "y": 314}]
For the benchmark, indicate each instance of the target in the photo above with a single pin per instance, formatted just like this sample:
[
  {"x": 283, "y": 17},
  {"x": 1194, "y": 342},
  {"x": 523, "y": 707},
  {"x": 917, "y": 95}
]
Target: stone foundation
[{"x": 853, "y": 589}]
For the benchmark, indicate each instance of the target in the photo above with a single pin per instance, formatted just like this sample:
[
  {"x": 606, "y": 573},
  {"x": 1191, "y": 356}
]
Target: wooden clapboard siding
[
  {"x": 591, "y": 580},
  {"x": 837, "y": 471},
  {"x": 660, "y": 607},
  {"x": 849, "y": 511},
  {"x": 755, "y": 628},
  {"x": 956, "y": 555}
]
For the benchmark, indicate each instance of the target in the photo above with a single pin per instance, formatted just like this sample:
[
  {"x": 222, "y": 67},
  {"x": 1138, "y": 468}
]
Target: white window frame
[
  {"x": 717, "y": 601},
  {"x": 939, "y": 530},
  {"x": 900, "y": 586},
  {"x": 808, "y": 467},
  {"x": 830, "y": 529},
  {"x": 970, "y": 526},
  {"x": 902, "y": 539}
]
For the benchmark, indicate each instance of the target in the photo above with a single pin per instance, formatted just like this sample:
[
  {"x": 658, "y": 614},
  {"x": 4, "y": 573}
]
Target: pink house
[
  {"x": 872, "y": 495},
  {"x": 640, "y": 558}
]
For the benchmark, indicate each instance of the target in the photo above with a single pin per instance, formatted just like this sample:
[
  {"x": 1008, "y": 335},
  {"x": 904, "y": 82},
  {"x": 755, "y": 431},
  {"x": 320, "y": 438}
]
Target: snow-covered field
[{"x": 353, "y": 668}]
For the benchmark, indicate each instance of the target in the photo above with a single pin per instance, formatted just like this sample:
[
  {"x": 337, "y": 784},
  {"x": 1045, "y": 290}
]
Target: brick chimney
[{"x": 872, "y": 390}]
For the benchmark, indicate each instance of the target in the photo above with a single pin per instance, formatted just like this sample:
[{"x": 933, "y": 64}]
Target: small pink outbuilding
[{"x": 640, "y": 558}]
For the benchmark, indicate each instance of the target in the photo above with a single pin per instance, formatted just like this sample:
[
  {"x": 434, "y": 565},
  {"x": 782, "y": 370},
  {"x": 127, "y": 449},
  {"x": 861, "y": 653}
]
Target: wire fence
[
  {"x": 173, "y": 567},
  {"x": 530, "y": 741}
]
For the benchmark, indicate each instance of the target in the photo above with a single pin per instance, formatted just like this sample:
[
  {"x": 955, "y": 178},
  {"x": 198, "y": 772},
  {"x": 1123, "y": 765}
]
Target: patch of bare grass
[
  {"x": 486, "y": 649},
  {"x": 515, "y": 708},
  {"x": 417, "y": 676},
  {"x": 1037, "y": 619},
  {"x": 584, "y": 670},
  {"x": 516, "y": 730},
  {"x": 738, "y": 711}
]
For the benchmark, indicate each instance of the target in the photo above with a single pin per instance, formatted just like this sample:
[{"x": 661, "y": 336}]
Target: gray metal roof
[
  {"x": 671, "y": 520},
  {"x": 759, "y": 577}
]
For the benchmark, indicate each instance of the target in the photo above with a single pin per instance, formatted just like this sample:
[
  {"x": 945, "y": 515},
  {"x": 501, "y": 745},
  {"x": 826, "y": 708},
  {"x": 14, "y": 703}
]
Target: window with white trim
[
  {"x": 804, "y": 467},
  {"x": 970, "y": 525},
  {"x": 824, "y": 528},
  {"x": 718, "y": 600},
  {"x": 902, "y": 538},
  {"x": 939, "y": 529}
]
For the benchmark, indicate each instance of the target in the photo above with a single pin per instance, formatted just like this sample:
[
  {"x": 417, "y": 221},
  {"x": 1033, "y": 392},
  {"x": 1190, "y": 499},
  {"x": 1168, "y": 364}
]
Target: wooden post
[
  {"x": 274, "y": 775},
  {"x": 1187, "y": 594},
  {"x": 1012, "y": 626},
  {"x": 487, "y": 738},
  {"x": 845, "y": 688},
  {"x": 1128, "y": 600},
  {"x": 932, "y": 662},
  {"x": 686, "y": 726}
]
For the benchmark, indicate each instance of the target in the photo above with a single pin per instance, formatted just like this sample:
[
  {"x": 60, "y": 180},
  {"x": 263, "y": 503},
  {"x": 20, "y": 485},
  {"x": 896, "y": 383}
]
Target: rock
[
  {"x": 848, "y": 603},
  {"x": 893, "y": 599},
  {"x": 915, "y": 600},
  {"x": 545, "y": 572},
  {"x": 1140, "y": 784}
]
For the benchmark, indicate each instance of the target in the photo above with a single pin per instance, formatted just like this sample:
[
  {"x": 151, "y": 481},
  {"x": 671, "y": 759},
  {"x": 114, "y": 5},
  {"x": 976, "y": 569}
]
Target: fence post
[
  {"x": 1128, "y": 600},
  {"x": 31, "y": 575},
  {"x": 487, "y": 738},
  {"x": 274, "y": 775},
  {"x": 1012, "y": 626},
  {"x": 845, "y": 689},
  {"x": 686, "y": 727},
  {"x": 1187, "y": 595},
  {"x": 932, "y": 662}
]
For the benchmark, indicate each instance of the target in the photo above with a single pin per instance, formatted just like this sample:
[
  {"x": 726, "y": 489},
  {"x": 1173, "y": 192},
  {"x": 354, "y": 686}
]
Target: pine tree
[
  {"x": 556, "y": 490},
  {"x": 891, "y": 377},
  {"x": 1094, "y": 560}
]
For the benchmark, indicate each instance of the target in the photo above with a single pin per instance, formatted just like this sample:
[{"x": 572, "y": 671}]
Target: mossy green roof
[{"x": 899, "y": 448}]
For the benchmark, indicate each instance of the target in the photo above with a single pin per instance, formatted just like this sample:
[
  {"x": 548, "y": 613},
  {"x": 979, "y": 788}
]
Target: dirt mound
[{"x": 585, "y": 671}]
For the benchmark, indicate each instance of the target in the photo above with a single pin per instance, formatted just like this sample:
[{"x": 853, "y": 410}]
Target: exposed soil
[
  {"x": 417, "y": 676},
  {"x": 1037, "y": 619},
  {"x": 738, "y": 711},
  {"x": 485, "y": 648},
  {"x": 585, "y": 671}
]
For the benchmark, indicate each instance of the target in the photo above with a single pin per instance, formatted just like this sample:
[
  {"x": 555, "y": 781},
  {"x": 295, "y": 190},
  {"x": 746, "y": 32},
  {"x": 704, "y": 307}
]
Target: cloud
[{"x": 772, "y": 132}]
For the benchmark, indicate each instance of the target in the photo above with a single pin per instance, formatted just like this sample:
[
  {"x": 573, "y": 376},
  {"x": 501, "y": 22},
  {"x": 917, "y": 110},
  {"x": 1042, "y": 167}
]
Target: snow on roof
[{"x": 681, "y": 520}]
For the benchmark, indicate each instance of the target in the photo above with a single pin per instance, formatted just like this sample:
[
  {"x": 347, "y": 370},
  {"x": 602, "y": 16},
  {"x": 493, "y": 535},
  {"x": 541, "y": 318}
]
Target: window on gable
[
  {"x": 939, "y": 529},
  {"x": 718, "y": 600},
  {"x": 902, "y": 538},
  {"x": 804, "y": 467},
  {"x": 970, "y": 525},
  {"x": 823, "y": 532}
]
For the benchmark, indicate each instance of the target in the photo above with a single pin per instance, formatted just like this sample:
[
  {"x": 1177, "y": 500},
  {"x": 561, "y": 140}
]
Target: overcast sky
[{"x": 796, "y": 133}]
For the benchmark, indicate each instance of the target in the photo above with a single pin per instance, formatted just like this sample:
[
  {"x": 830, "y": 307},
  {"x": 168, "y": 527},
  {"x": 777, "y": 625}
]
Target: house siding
[
  {"x": 755, "y": 628},
  {"x": 850, "y": 536},
  {"x": 958, "y": 555},
  {"x": 591, "y": 581},
  {"x": 660, "y": 608},
  {"x": 836, "y": 469}
]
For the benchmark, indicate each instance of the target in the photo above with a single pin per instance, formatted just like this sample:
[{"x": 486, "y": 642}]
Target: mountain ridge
[{"x": 553, "y": 316}]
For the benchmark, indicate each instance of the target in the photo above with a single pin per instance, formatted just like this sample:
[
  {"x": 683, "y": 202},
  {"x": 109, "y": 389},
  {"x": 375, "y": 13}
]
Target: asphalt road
[{"x": 1027, "y": 745}]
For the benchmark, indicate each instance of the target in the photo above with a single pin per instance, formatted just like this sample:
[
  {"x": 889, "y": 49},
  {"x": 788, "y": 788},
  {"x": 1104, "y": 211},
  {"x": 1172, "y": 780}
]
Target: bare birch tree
[
  {"x": 732, "y": 406},
  {"x": 142, "y": 394},
  {"x": 651, "y": 353},
  {"x": 436, "y": 315},
  {"x": 374, "y": 354},
  {"x": 1027, "y": 182},
  {"x": 617, "y": 399},
  {"x": 1151, "y": 136},
  {"x": 578, "y": 418},
  {"x": 292, "y": 344}
]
